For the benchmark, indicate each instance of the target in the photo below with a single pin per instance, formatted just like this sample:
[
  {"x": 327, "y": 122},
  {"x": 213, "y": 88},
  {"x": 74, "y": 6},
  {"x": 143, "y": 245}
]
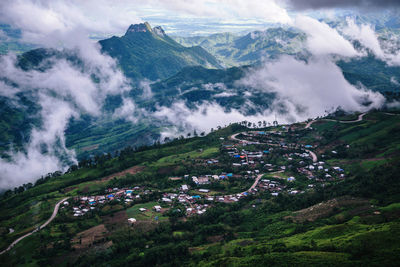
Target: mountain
[
  {"x": 249, "y": 49},
  {"x": 133, "y": 209},
  {"x": 149, "y": 53},
  {"x": 372, "y": 72}
]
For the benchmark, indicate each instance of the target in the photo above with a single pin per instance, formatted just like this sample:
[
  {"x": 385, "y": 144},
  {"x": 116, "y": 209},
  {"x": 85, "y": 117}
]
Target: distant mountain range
[
  {"x": 251, "y": 48},
  {"x": 179, "y": 73}
]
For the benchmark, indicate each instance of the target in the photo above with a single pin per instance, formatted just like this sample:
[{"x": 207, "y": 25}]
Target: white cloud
[
  {"x": 204, "y": 117},
  {"x": 126, "y": 111},
  {"x": 394, "y": 81},
  {"x": 225, "y": 94},
  {"x": 309, "y": 89},
  {"x": 64, "y": 91},
  {"x": 322, "y": 39},
  {"x": 268, "y": 10},
  {"x": 365, "y": 35},
  {"x": 54, "y": 22},
  {"x": 34, "y": 162},
  {"x": 145, "y": 85}
]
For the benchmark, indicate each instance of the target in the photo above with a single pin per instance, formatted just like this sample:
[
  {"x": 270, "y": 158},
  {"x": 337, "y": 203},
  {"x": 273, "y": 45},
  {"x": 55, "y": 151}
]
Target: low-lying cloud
[
  {"x": 366, "y": 35},
  {"x": 309, "y": 89},
  {"x": 63, "y": 91},
  {"x": 322, "y": 39}
]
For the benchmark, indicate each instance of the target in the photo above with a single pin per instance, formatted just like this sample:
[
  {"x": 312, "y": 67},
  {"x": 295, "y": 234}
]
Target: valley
[
  {"x": 222, "y": 180},
  {"x": 199, "y": 133}
]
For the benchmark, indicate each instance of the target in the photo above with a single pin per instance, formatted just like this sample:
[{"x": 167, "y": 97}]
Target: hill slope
[
  {"x": 144, "y": 52},
  {"x": 314, "y": 219}
]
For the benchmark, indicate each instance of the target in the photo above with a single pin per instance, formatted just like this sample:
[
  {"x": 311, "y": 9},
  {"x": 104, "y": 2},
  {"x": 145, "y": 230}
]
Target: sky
[
  {"x": 102, "y": 18},
  {"x": 303, "y": 89}
]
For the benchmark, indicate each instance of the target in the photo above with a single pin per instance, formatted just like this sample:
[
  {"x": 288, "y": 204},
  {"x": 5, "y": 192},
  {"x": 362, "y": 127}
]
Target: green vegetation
[
  {"x": 354, "y": 221},
  {"x": 150, "y": 53}
]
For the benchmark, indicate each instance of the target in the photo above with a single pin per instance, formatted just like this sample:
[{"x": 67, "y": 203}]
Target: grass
[
  {"x": 148, "y": 215},
  {"x": 206, "y": 153},
  {"x": 370, "y": 164},
  {"x": 391, "y": 207}
]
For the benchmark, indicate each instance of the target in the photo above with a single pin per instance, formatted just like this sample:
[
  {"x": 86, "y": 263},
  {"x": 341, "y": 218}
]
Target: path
[
  {"x": 313, "y": 155},
  {"x": 255, "y": 182},
  {"x": 56, "y": 208},
  {"x": 360, "y": 118},
  {"x": 233, "y": 137}
]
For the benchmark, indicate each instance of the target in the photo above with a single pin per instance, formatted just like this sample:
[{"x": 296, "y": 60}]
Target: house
[
  {"x": 157, "y": 208},
  {"x": 65, "y": 203},
  {"x": 311, "y": 167},
  {"x": 131, "y": 220},
  {"x": 142, "y": 209},
  {"x": 204, "y": 190},
  {"x": 202, "y": 180},
  {"x": 291, "y": 179},
  {"x": 166, "y": 199},
  {"x": 185, "y": 187}
]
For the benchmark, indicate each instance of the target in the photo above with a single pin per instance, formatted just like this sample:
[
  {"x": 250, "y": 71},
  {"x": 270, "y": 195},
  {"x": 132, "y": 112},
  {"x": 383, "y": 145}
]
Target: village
[{"x": 269, "y": 162}]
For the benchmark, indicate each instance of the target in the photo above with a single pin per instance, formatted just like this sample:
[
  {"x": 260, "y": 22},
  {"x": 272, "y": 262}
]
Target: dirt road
[
  {"x": 55, "y": 211},
  {"x": 360, "y": 118}
]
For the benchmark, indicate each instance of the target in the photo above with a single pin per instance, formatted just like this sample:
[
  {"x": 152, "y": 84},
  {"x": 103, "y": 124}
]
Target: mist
[
  {"x": 303, "y": 89},
  {"x": 63, "y": 91}
]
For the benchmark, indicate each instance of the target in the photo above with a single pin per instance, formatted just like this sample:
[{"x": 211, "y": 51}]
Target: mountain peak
[
  {"x": 159, "y": 31},
  {"x": 141, "y": 27}
]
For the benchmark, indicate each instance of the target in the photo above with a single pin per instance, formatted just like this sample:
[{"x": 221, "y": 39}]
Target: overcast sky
[{"x": 183, "y": 17}]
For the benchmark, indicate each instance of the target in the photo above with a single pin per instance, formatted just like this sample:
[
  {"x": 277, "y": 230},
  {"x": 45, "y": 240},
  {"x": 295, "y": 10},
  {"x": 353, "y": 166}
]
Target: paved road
[
  {"x": 360, "y": 118},
  {"x": 233, "y": 137},
  {"x": 313, "y": 155},
  {"x": 255, "y": 182},
  {"x": 56, "y": 208}
]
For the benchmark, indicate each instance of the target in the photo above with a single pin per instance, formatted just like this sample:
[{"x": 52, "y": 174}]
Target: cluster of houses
[
  {"x": 249, "y": 160},
  {"x": 84, "y": 204},
  {"x": 206, "y": 179},
  {"x": 296, "y": 154},
  {"x": 198, "y": 204}
]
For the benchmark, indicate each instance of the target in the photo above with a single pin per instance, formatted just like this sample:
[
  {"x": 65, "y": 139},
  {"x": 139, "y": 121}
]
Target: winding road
[
  {"x": 233, "y": 137},
  {"x": 55, "y": 211},
  {"x": 360, "y": 118}
]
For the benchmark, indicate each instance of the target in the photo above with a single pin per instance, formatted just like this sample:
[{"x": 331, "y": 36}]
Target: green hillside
[
  {"x": 144, "y": 52},
  {"x": 351, "y": 217}
]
